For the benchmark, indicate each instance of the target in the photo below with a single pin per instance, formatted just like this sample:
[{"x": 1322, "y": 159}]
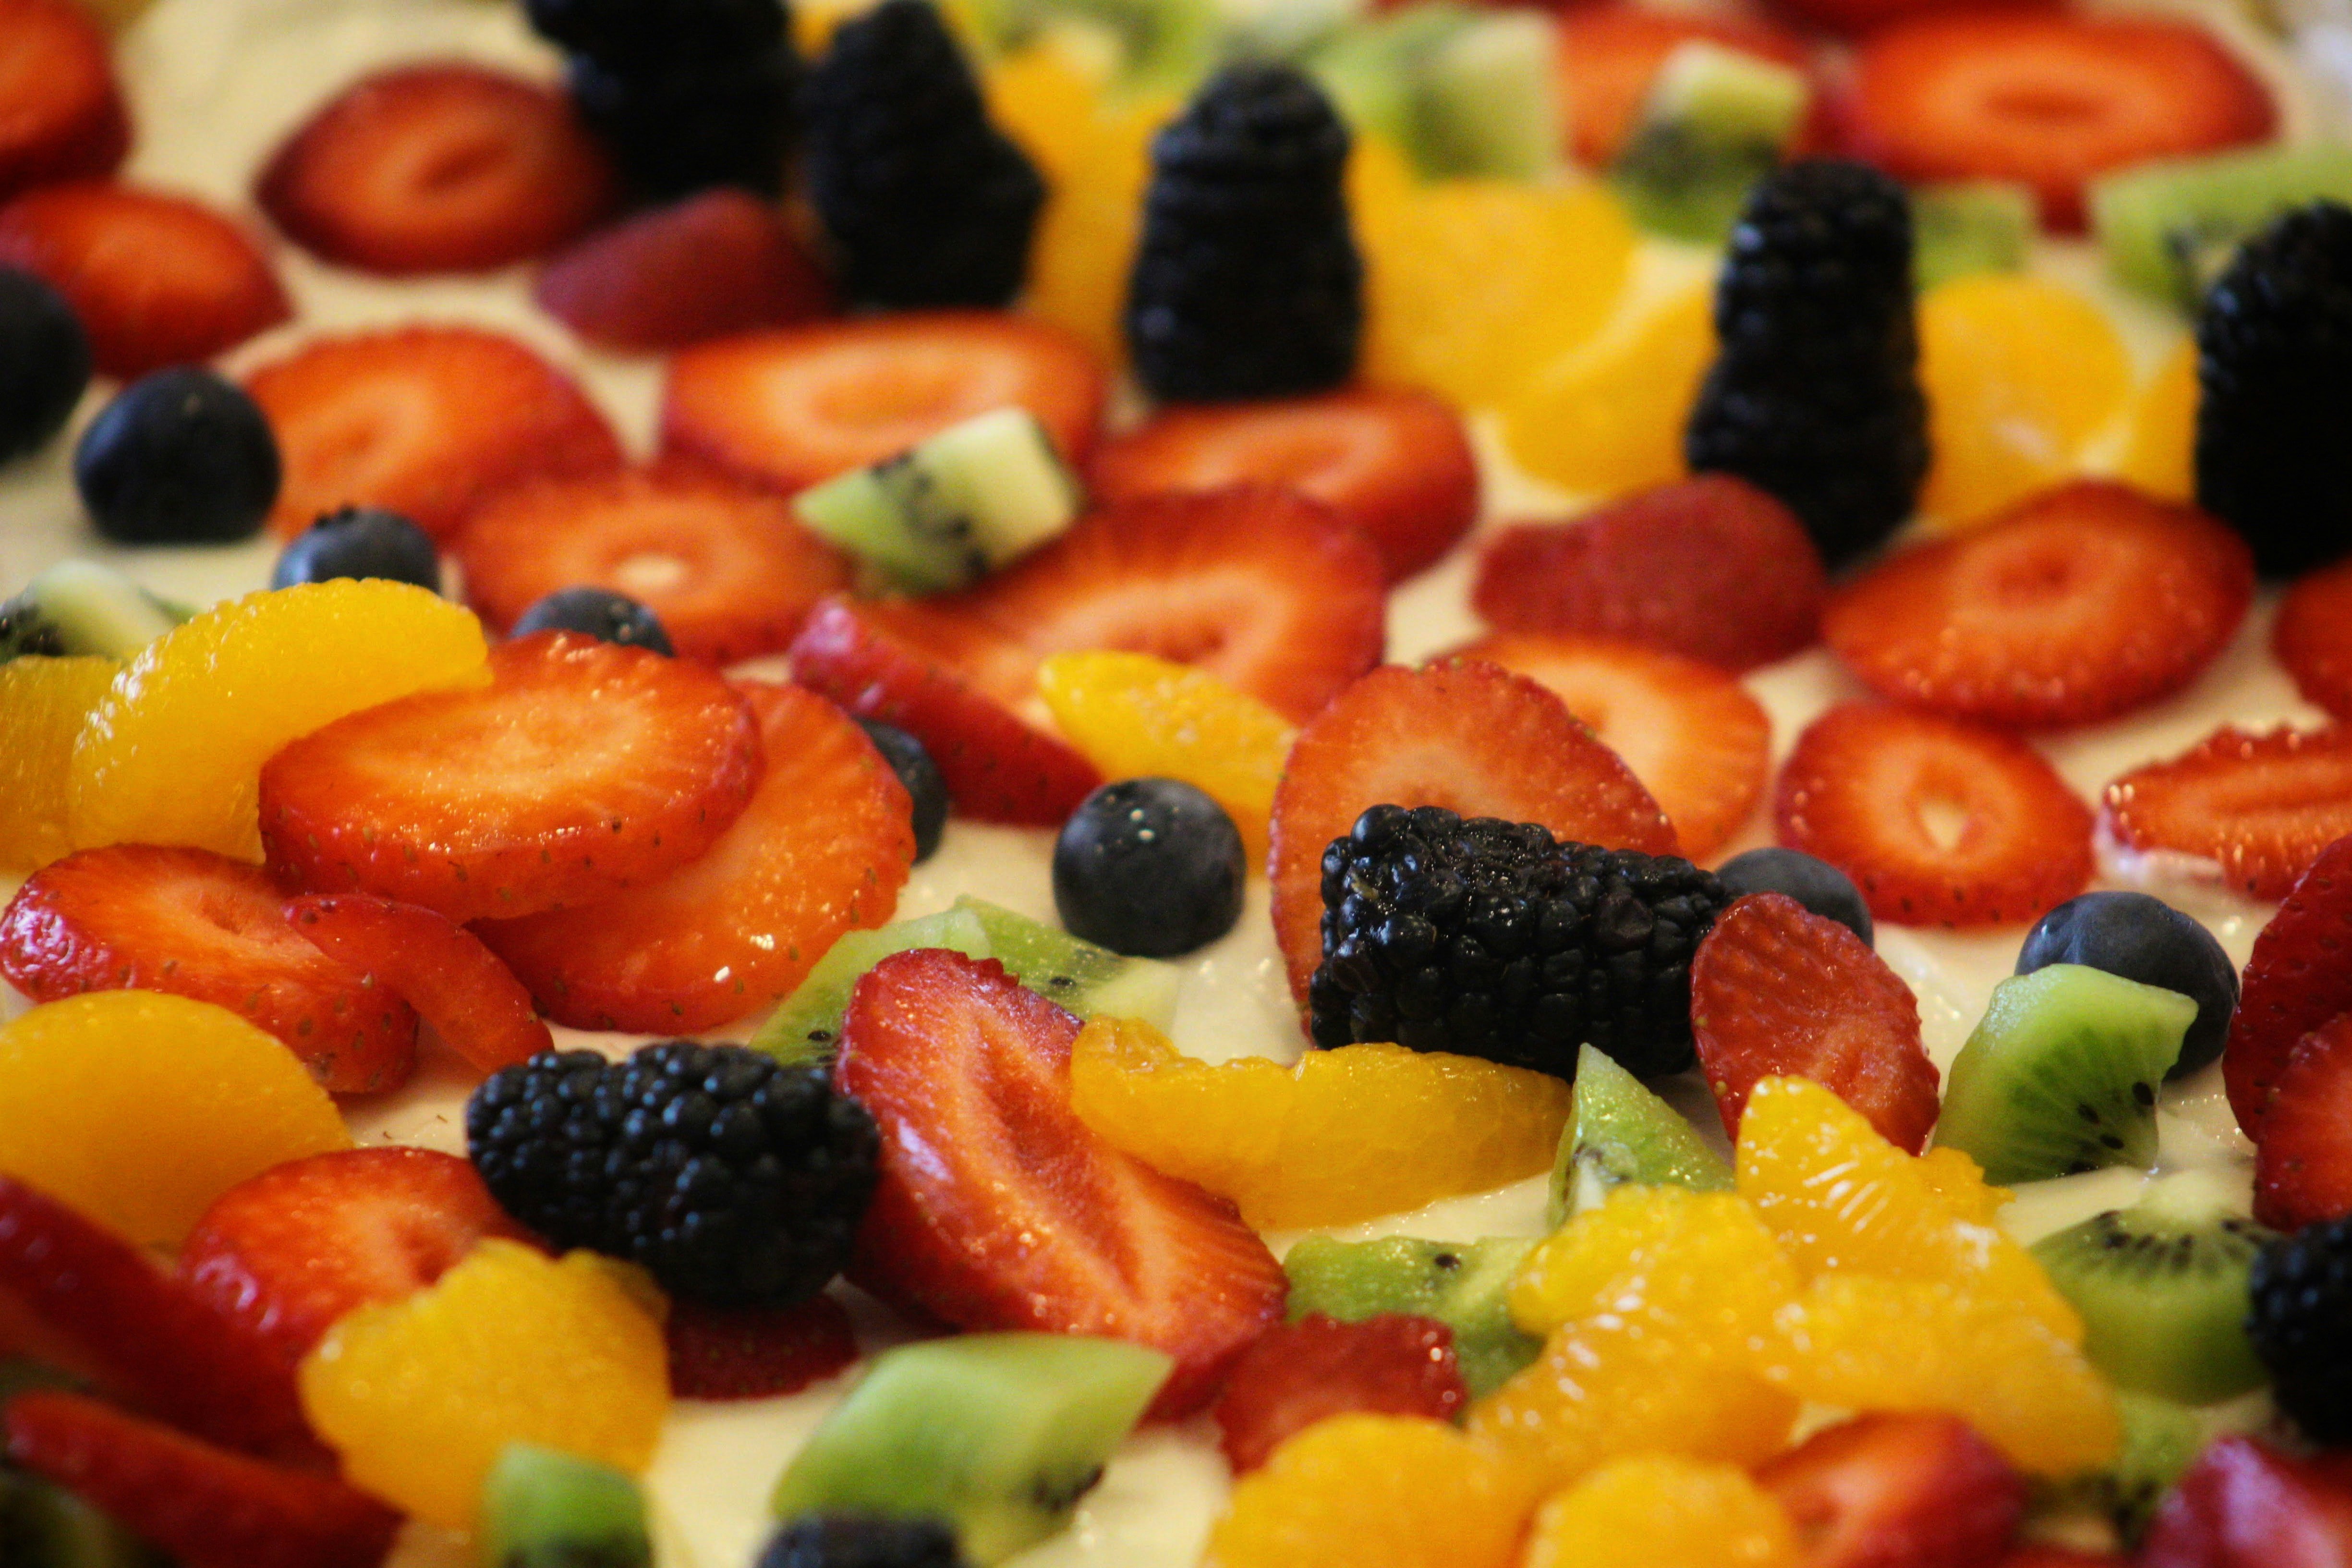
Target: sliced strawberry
[
  {"x": 728, "y": 571},
  {"x": 2039, "y": 1554},
  {"x": 137, "y": 917},
  {"x": 1937, "y": 822},
  {"x": 788, "y": 409},
  {"x": 581, "y": 769},
  {"x": 1609, "y": 54},
  {"x": 720, "y": 262},
  {"x": 2303, "y": 1157},
  {"x": 1465, "y": 736},
  {"x": 2261, "y": 806},
  {"x": 2313, "y": 637},
  {"x": 437, "y": 168},
  {"x": 2079, "y": 603},
  {"x": 1393, "y": 462},
  {"x": 999, "y": 1209},
  {"x": 755, "y": 1352},
  {"x": 206, "y": 1506},
  {"x": 1890, "y": 1490},
  {"x": 478, "y": 1008},
  {"x": 424, "y": 421},
  {"x": 1699, "y": 743},
  {"x": 60, "y": 111},
  {"x": 1712, "y": 568},
  {"x": 2297, "y": 978},
  {"x": 2047, "y": 98},
  {"x": 824, "y": 847},
  {"x": 1298, "y": 1374},
  {"x": 2245, "y": 1504},
  {"x": 997, "y": 768},
  {"x": 157, "y": 279}
]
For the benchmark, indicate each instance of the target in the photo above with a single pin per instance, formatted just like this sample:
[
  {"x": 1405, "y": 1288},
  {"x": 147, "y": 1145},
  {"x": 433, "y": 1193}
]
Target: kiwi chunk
[
  {"x": 2059, "y": 1076},
  {"x": 545, "y": 1508},
  {"x": 1092, "y": 982},
  {"x": 1462, "y": 90},
  {"x": 2169, "y": 227},
  {"x": 43, "y": 1525},
  {"x": 1622, "y": 1133},
  {"x": 1151, "y": 43},
  {"x": 2160, "y": 1441},
  {"x": 1967, "y": 227},
  {"x": 1715, "y": 121},
  {"x": 806, "y": 1028},
  {"x": 1000, "y": 1435},
  {"x": 1465, "y": 1286},
  {"x": 79, "y": 607}
]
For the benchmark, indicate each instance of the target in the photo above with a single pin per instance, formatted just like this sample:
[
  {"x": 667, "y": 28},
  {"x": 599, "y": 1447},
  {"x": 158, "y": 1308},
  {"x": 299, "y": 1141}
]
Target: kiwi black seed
[{"x": 1464, "y": 1284}]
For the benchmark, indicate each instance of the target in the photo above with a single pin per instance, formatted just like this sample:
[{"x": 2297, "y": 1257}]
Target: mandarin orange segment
[
  {"x": 2159, "y": 453},
  {"x": 1607, "y": 419},
  {"x": 43, "y": 702},
  {"x": 1216, "y": 1127},
  {"x": 1659, "y": 1510},
  {"x": 1700, "y": 1263},
  {"x": 1958, "y": 1183}
]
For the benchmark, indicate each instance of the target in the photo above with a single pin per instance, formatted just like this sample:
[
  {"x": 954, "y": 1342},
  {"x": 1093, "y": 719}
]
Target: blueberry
[
  {"x": 912, "y": 763},
  {"x": 180, "y": 457},
  {"x": 2147, "y": 940},
  {"x": 360, "y": 541},
  {"x": 1816, "y": 884},
  {"x": 600, "y": 612},
  {"x": 44, "y": 362},
  {"x": 1150, "y": 867}
]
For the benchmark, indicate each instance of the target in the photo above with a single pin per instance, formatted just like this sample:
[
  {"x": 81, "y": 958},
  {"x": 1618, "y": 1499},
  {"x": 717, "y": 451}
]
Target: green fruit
[
  {"x": 2161, "y": 1439},
  {"x": 545, "y": 1508},
  {"x": 1622, "y": 1133},
  {"x": 79, "y": 607},
  {"x": 806, "y": 1026},
  {"x": 1460, "y": 89},
  {"x": 1714, "y": 122},
  {"x": 1092, "y": 982},
  {"x": 2169, "y": 227},
  {"x": 44, "y": 1526},
  {"x": 1155, "y": 43},
  {"x": 1466, "y": 1287},
  {"x": 1979, "y": 226}
]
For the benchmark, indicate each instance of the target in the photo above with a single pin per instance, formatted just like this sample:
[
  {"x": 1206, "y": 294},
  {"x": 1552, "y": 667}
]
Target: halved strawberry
[
  {"x": 479, "y": 1009},
  {"x": 788, "y": 409},
  {"x": 157, "y": 279},
  {"x": 1393, "y": 462},
  {"x": 822, "y": 848},
  {"x": 424, "y": 421},
  {"x": 437, "y": 168},
  {"x": 2298, "y": 977},
  {"x": 1699, "y": 743},
  {"x": 2245, "y": 1504},
  {"x": 1467, "y": 736},
  {"x": 720, "y": 262},
  {"x": 1609, "y": 54},
  {"x": 999, "y": 1209},
  {"x": 581, "y": 769},
  {"x": 2261, "y": 806},
  {"x": 2079, "y": 603},
  {"x": 2047, "y": 98},
  {"x": 1889, "y": 1490},
  {"x": 2313, "y": 637},
  {"x": 2303, "y": 1157},
  {"x": 755, "y": 1352},
  {"x": 1939, "y": 822},
  {"x": 727, "y": 569},
  {"x": 1298, "y": 1374},
  {"x": 1712, "y": 568},
  {"x": 144, "y": 918},
  {"x": 60, "y": 111}
]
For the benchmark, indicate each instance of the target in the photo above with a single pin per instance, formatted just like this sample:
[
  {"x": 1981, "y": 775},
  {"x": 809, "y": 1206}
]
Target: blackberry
[
  {"x": 2274, "y": 391},
  {"x": 2301, "y": 1325},
  {"x": 1492, "y": 939},
  {"x": 1247, "y": 282},
  {"x": 1814, "y": 394},
  {"x": 927, "y": 203},
  {"x": 736, "y": 1180},
  {"x": 674, "y": 128},
  {"x": 862, "y": 1541},
  {"x": 625, "y": 35}
]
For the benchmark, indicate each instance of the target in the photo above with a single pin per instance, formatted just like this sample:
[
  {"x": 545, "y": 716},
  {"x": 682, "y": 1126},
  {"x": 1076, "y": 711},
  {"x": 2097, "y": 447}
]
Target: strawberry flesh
[
  {"x": 1610, "y": 54},
  {"x": 2298, "y": 977},
  {"x": 477, "y": 1007},
  {"x": 1889, "y": 1490},
  {"x": 2261, "y": 806},
  {"x": 720, "y": 262},
  {"x": 2303, "y": 1156},
  {"x": 1299, "y": 1373},
  {"x": 2313, "y": 637},
  {"x": 61, "y": 114},
  {"x": 755, "y": 1352},
  {"x": 2245, "y": 1504}
]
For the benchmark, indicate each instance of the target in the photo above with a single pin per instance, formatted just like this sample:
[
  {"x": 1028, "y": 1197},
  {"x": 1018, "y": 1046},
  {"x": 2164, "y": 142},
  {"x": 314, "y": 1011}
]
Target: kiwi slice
[
  {"x": 79, "y": 607},
  {"x": 43, "y": 1525},
  {"x": 2169, "y": 227},
  {"x": 1715, "y": 121},
  {"x": 2161, "y": 1439},
  {"x": 806, "y": 1026},
  {"x": 545, "y": 1508},
  {"x": 2059, "y": 1076},
  {"x": 1000, "y": 1435},
  {"x": 1092, "y": 982},
  {"x": 1622, "y": 1133},
  {"x": 1489, "y": 99},
  {"x": 1969, "y": 226},
  {"x": 1465, "y": 1286}
]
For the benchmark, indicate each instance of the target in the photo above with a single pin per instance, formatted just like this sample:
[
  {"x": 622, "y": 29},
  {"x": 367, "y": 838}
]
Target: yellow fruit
[
  {"x": 1687, "y": 1262},
  {"x": 42, "y": 704},
  {"x": 1659, "y": 1510},
  {"x": 2159, "y": 447},
  {"x": 1346, "y": 1135},
  {"x": 1958, "y": 1181},
  {"x": 172, "y": 753},
  {"x": 140, "y": 1108},
  {"x": 1607, "y": 419},
  {"x": 419, "y": 1395}
]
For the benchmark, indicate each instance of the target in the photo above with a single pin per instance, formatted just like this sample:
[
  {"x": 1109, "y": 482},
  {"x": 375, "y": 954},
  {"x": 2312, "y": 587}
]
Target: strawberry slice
[
  {"x": 788, "y": 409},
  {"x": 424, "y": 421},
  {"x": 2261, "y": 806},
  {"x": 1467, "y": 736},
  {"x": 2046, "y": 99},
  {"x": 1610, "y": 54},
  {"x": 2245, "y": 1504},
  {"x": 824, "y": 847},
  {"x": 157, "y": 279},
  {"x": 206, "y": 1506},
  {"x": 1711, "y": 568},
  {"x": 1937, "y": 822},
  {"x": 284, "y": 1254},
  {"x": 999, "y": 1209},
  {"x": 2080, "y": 603},
  {"x": 2040, "y": 1554},
  {"x": 478, "y": 1008},
  {"x": 728, "y": 571},
  {"x": 2313, "y": 637},
  {"x": 62, "y": 113},
  {"x": 1699, "y": 743},
  {"x": 138, "y": 917},
  {"x": 437, "y": 168},
  {"x": 1298, "y": 1374},
  {"x": 720, "y": 262},
  {"x": 755, "y": 1352},
  {"x": 1393, "y": 462},
  {"x": 581, "y": 769},
  {"x": 1890, "y": 1490},
  {"x": 1777, "y": 991},
  {"x": 2298, "y": 977},
  {"x": 2303, "y": 1158}
]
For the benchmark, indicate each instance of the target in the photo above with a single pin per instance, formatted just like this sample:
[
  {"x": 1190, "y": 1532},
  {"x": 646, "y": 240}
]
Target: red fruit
[
  {"x": 2297, "y": 978},
  {"x": 2079, "y": 603},
  {"x": 157, "y": 279},
  {"x": 284, "y": 1254},
  {"x": 478, "y": 1008},
  {"x": 1392, "y": 462},
  {"x": 2047, "y": 98},
  {"x": 2303, "y": 1157},
  {"x": 755, "y": 1352},
  {"x": 437, "y": 168},
  {"x": 2313, "y": 637},
  {"x": 2261, "y": 806},
  {"x": 1898, "y": 1491},
  {"x": 60, "y": 111},
  {"x": 1937, "y": 822},
  {"x": 720, "y": 262},
  {"x": 136, "y": 917},
  {"x": 2035, "y": 1554},
  {"x": 1298, "y": 1374},
  {"x": 581, "y": 769},
  {"x": 999, "y": 1209},
  {"x": 206, "y": 1506},
  {"x": 2244, "y": 1504},
  {"x": 1779, "y": 991},
  {"x": 787, "y": 409},
  {"x": 1610, "y": 54},
  {"x": 822, "y": 848},
  {"x": 424, "y": 421},
  {"x": 1712, "y": 568},
  {"x": 1465, "y": 736}
]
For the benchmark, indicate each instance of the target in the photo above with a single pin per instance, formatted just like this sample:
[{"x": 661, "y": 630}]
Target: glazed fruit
[
  {"x": 2261, "y": 806},
  {"x": 597, "y": 613},
  {"x": 543, "y": 1506},
  {"x": 1819, "y": 887},
  {"x": 1606, "y": 418},
  {"x": 2142, "y": 938},
  {"x": 66, "y": 119},
  {"x": 1622, "y": 1134},
  {"x": 1662, "y": 1511},
  {"x": 2302, "y": 1164},
  {"x": 1302, "y": 1372},
  {"x": 360, "y": 542},
  {"x": 43, "y": 702},
  {"x": 1148, "y": 867},
  {"x": 756, "y": 1352},
  {"x": 477, "y": 1009},
  {"x": 1666, "y": 1256},
  {"x": 2297, "y": 1285},
  {"x": 715, "y": 264},
  {"x": 49, "y": 363},
  {"x": 1610, "y": 55},
  {"x": 2294, "y": 982},
  {"x": 179, "y": 457},
  {"x": 1897, "y": 1488}
]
